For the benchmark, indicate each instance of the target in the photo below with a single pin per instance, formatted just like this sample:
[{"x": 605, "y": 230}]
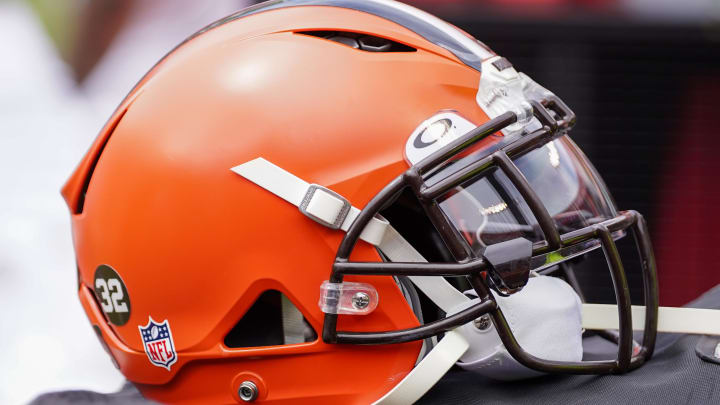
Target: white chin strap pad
[{"x": 546, "y": 319}]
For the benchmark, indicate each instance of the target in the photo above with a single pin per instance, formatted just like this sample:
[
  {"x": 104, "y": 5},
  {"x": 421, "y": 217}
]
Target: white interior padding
[{"x": 545, "y": 317}]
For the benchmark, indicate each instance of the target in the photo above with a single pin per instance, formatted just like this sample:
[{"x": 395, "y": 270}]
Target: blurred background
[{"x": 643, "y": 77}]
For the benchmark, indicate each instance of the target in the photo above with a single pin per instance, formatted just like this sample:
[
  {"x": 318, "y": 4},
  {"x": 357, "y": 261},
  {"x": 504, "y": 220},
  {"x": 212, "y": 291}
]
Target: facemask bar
[{"x": 472, "y": 267}]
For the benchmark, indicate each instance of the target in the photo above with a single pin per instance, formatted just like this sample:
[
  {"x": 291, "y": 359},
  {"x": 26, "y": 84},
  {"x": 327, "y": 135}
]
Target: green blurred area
[{"x": 59, "y": 17}]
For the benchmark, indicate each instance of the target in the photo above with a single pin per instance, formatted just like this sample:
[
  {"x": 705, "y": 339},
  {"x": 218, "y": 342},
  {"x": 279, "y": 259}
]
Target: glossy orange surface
[{"x": 196, "y": 244}]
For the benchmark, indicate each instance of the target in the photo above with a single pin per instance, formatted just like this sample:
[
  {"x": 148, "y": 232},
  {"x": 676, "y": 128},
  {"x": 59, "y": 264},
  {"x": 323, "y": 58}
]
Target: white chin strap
[
  {"x": 545, "y": 307},
  {"x": 692, "y": 321}
]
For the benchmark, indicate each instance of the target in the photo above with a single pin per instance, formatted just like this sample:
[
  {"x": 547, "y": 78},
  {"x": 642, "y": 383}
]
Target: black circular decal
[
  {"x": 438, "y": 128},
  {"x": 112, "y": 295}
]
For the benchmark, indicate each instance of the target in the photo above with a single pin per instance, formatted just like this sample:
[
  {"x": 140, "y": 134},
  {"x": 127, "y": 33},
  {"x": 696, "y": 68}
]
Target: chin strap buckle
[
  {"x": 318, "y": 203},
  {"x": 325, "y": 206}
]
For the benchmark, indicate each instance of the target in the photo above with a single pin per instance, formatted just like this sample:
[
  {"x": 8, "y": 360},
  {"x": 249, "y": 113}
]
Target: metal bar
[
  {"x": 543, "y": 115},
  {"x": 373, "y": 206},
  {"x": 449, "y": 234},
  {"x": 329, "y": 332},
  {"x": 531, "y": 199},
  {"x": 518, "y": 353},
  {"x": 620, "y": 222},
  {"x": 550, "y": 129},
  {"x": 465, "y": 141},
  {"x": 451, "y": 269},
  {"x": 413, "y": 177},
  {"x": 420, "y": 332},
  {"x": 568, "y": 116},
  {"x": 622, "y": 294},
  {"x": 520, "y": 147},
  {"x": 624, "y": 220},
  {"x": 492, "y": 177},
  {"x": 410, "y": 269},
  {"x": 650, "y": 283},
  {"x": 455, "y": 179}
]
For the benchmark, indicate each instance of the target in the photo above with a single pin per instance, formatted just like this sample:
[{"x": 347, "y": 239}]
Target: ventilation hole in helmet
[
  {"x": 271, "y": 321},
  {"x": 369, "y": 43}
]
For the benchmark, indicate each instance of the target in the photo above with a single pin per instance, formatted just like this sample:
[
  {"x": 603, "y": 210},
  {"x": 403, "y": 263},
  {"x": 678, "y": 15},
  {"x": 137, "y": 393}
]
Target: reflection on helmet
[
  {"x": 560, "y": 175},
  {"x": 384, "y": 164}
]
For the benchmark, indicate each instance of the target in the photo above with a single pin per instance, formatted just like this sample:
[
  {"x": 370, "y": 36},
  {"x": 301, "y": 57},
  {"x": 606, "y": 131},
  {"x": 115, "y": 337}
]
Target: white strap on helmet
[
  {"x": 429, "y": 371},
  {"x": 326, "y": 207},
  {"x": 332, "y": 210},
  {"x": 440, "y": 292},
  {"x": 317, "y": 202},
  {"x": 380, "y": 234},
  {"x": 694, "y": 321}
]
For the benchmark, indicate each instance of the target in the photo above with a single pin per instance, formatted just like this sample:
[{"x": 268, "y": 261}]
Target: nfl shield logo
[{"x": 158, "y": 343}]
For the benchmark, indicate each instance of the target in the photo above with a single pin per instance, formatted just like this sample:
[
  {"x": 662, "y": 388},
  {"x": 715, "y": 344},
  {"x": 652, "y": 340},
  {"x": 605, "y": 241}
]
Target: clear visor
[{"x": 489, "y": 209}]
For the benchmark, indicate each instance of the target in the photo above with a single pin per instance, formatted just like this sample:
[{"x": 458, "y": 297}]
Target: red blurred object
[{"x": 687, "y": 219}]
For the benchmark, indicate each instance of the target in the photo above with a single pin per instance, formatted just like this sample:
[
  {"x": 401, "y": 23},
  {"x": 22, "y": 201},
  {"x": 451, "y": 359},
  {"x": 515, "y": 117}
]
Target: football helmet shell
[{"x": 196, "y": 245}]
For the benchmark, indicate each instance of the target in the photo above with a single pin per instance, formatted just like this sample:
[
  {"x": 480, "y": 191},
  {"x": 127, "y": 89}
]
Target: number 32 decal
[
  {"x": 112, "y": 295},
  {"x": 110, "y": 302}
]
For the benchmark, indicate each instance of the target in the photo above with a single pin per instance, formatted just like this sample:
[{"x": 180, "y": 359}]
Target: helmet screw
[
  {"x": 248, "y": 391},
  {"x": 360, "y": 300},
  {"x": 483, "y": 323}
]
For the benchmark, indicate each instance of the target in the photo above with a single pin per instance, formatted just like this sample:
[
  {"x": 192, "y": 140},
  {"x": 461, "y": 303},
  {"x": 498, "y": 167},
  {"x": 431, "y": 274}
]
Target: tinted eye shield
[
  {"x": 507, "y": 264},
  {"x": 488, "y": 209}
]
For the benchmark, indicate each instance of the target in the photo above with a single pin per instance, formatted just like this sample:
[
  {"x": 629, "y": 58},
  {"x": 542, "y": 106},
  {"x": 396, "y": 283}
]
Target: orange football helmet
[{"x": 208, "y": 285}]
